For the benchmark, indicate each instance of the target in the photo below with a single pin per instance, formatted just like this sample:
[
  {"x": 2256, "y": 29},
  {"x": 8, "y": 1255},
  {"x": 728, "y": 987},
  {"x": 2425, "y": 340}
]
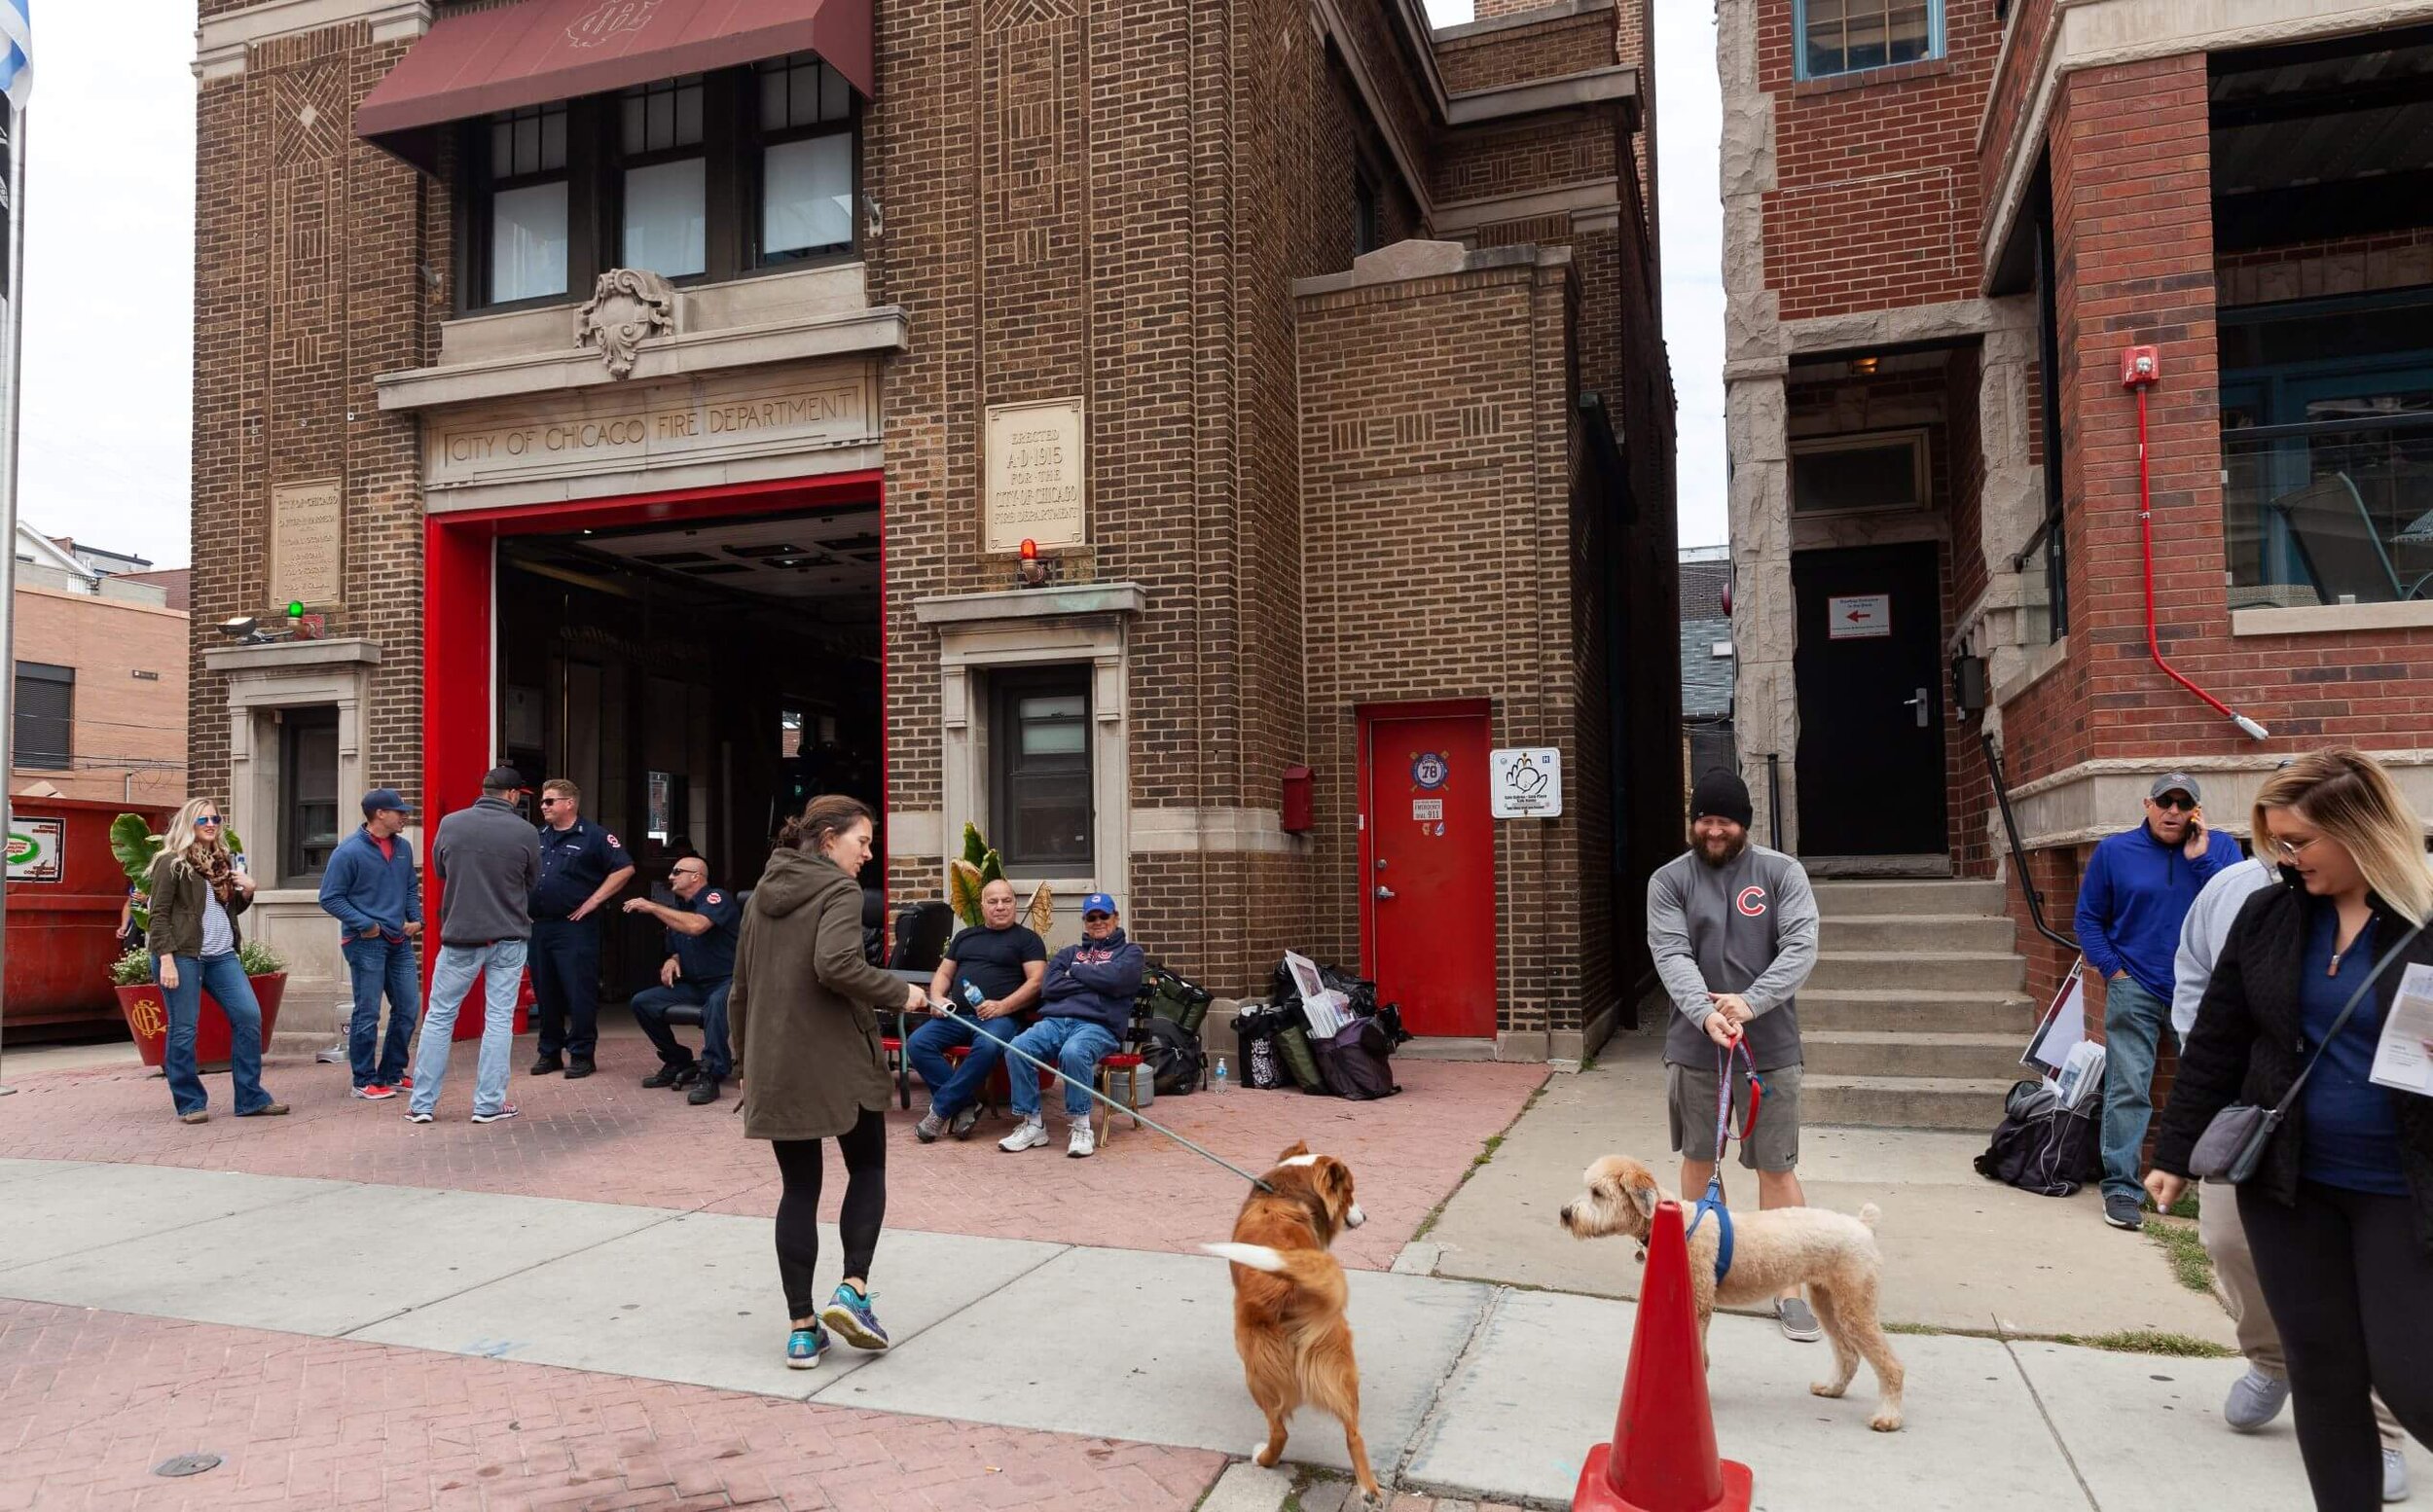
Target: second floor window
[
  {"x": 665, "y": 179},
  {"x": 527, "y": 204},
  {"x": 1846, "y": 36}
]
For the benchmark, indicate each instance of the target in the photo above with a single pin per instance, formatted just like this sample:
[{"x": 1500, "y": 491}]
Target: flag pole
[{"x": 12, "y": 373}]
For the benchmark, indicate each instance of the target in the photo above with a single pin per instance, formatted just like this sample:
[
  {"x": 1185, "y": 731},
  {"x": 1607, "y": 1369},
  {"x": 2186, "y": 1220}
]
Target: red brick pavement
[
  {"x": 607, "y": 1139},
  {"x": 90, "y": 1401}
]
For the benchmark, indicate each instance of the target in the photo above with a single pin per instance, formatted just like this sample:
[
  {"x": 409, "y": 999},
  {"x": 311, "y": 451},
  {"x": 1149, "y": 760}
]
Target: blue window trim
[{"x": 1800, "y": 41}]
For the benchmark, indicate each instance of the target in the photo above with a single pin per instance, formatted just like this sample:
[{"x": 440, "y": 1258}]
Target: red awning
[{"x": 540, "y": 51}]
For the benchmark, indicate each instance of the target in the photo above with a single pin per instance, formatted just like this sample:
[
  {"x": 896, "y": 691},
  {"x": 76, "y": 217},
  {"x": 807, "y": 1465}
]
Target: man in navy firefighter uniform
[
  {"x": 582, "y": 868},
  {"x": 700, "y": 967}
]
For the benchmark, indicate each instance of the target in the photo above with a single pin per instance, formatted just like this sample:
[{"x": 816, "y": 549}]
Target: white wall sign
[
  {"x": 1858, "y": 617},
  {"x": 36, "y": 849},
  {"x": 1525, "y": 784}
]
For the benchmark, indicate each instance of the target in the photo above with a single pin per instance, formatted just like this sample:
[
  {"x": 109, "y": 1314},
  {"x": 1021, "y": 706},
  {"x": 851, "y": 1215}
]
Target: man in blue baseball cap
[
  {"x": 371, "y": 889},
  {"x": 1085, "y": 1005}
]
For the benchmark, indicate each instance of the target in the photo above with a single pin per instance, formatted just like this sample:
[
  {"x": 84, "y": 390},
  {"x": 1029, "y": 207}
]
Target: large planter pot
[{"x": 147, "y": 1016}]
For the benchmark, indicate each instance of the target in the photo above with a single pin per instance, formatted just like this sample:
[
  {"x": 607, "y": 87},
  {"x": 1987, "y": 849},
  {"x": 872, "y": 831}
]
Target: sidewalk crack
[
  {"x": 1425, "y": 1433},
  {"x": 2050, "y": 1427}
]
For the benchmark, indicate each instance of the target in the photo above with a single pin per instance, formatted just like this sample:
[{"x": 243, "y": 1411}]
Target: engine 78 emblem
[{"x": 608, "y": 21}]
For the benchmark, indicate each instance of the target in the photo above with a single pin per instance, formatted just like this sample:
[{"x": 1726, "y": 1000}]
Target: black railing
[
  {"x": 1773, "y": 805},
  {"x": 2018, "y": 852}
]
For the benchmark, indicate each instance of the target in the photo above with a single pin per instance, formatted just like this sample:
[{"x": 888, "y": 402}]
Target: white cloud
[{"x": 107, "y": 431}]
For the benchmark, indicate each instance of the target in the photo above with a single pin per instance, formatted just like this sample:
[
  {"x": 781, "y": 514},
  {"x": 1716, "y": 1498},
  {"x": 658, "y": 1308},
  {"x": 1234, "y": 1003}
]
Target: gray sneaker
[
  {"x": 1797, "y": 1320},
  {"x": 2395, "y": 1475},
  {"x": 2255, "y": 1400},
  {"x": 2125, "y": 1212},
  {"x": 932, "y": 1126},
  {"x": 965, "y": 1121}
]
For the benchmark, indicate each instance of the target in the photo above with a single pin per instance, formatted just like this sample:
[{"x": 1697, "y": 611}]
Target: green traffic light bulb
[{"x": 295, "y": 609}]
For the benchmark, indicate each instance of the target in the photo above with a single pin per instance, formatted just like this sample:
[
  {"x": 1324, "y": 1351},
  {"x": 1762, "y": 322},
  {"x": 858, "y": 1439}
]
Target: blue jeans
[
  {"x": 373, "y": 966},
  {"x": 500, "y": 966},
  {"x": 952, "y": 1087},
  {"x": 2133, "y": 1020},
  {"x": 650, "y": 1011},
  {"x": 225, "y": 980},
  {"x": 1074, "y": 1046}
]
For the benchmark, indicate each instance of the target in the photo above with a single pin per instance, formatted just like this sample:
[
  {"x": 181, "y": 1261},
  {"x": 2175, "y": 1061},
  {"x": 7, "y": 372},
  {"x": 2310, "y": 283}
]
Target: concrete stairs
[{"x": 1915, "y": 1017}]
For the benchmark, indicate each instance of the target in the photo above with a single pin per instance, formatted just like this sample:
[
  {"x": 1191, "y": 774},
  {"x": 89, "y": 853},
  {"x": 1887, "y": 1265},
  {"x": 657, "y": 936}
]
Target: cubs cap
[
  {"x": 1099, "y": 903},
  {"x": 386, "y": 798},
  {"x": 2176, "y": 782}
]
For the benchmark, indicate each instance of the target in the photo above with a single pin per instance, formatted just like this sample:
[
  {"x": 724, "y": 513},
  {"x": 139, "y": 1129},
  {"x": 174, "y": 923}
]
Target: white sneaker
[
  {"x": 1084, "y": 1142},
  {"x": 2395, "y": 1475},
  {"x": 1029, "y": 1135}
]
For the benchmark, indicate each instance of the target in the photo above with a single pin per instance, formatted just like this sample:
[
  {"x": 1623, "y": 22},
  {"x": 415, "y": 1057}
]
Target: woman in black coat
[{"x": 2339, "y": 1213}]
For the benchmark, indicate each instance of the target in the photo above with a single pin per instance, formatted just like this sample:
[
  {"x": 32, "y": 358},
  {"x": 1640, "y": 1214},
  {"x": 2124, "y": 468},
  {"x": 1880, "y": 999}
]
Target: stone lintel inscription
[
  {"x": 308, "y": 524},
  {"x": 1036, "y": 489},
  {"x": 627, "y": 428}
]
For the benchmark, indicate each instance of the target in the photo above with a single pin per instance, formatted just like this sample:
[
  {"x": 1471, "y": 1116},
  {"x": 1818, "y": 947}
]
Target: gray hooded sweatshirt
[{"x": 1748, "y": 926}]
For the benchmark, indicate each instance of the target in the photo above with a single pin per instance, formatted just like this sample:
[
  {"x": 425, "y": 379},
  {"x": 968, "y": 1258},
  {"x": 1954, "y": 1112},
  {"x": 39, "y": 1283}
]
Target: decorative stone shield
[{"x": 628, "y": 306}]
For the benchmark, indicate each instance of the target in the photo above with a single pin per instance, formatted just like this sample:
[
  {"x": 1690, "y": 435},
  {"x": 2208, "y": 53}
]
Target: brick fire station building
[
  {"x": 1947, "y": 222},
  {"x": 660, "y": 392}
]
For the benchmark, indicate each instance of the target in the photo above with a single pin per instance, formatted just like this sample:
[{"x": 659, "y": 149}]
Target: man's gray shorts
[{"x": 1690, "y": 1102}]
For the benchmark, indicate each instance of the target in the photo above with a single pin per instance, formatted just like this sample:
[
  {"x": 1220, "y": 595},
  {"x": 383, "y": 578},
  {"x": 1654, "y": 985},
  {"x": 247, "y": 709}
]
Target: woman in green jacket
[
  {"x": 803, "y": 1019},
  {"x": 197, "y": 889}
]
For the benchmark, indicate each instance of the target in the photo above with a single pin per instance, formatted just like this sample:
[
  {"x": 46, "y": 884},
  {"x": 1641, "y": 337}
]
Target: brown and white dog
[
  {"x": 1833, "y": 1254},
  {"x": 1289, "y": 1297}
]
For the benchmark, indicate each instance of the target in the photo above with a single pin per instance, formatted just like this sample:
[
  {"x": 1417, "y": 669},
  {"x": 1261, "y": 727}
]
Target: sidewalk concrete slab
[
  {"x": 77, "y": 1206},
  {"x": 1544, "y": 1378},
  {"x": 696, "y": 1299},
  {"x": 326, "y": 1263},
  {"x": 1133, "y": 1344},
  {"x": 1960, "y": 1251},
  {"x": 34, "y": 1169}
]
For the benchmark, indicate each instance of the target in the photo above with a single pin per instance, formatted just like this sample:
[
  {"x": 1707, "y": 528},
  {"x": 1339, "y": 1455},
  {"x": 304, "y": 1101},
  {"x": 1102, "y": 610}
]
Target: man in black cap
[
  {"x": 1733, "y": 930},
  {"x": 490, "y": 859},
  {"x": 370, "y": 887}
]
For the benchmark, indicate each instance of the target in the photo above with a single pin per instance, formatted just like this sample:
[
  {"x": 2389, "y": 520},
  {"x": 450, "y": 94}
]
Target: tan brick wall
[{"x": 120, "y": 715}]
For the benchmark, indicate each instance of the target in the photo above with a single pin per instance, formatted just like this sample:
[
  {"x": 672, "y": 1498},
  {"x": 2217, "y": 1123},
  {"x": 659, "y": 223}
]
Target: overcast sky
[{"x": 109, "y": 334}]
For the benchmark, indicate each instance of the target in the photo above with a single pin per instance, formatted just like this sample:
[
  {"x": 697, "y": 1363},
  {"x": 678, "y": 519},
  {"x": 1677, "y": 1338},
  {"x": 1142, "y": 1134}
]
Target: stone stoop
[{"x": 1915, "y": 1017}]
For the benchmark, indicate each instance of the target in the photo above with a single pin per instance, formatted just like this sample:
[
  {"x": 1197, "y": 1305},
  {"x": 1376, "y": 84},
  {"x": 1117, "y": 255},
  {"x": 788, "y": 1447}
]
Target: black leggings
[
  {"x": 799, "y": 1165},
  {"x": 2352, "y": 1289}
]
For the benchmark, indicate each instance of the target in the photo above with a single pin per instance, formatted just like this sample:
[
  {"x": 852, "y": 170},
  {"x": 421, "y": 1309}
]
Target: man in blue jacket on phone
[
  {"x": 2136, "y": 894},
  {"x": 1085, "y": 1006},
  {"x": 370, "y": 887}
]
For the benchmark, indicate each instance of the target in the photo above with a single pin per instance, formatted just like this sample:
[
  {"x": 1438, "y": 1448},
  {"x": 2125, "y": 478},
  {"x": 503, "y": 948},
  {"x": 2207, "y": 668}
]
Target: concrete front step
[
  {"x": 1948, "y": 895},
  {"x": 1945, "y": 971},
  {"x": 1903, "y": 1012},
  {"x": 1965, "y": 932},
  {"x": 1872, "y": 1052},
  {"x": 1969, "y": 1103}
]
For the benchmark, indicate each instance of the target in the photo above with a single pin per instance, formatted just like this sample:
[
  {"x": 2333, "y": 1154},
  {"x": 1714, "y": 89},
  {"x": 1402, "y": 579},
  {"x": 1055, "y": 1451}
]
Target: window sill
[
  {"x": 1869, "y": 78},
  {"x": 2332, "y": 619}
]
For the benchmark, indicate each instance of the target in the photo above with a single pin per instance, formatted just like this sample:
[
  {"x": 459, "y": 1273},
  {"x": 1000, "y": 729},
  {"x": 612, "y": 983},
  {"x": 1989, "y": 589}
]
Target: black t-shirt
[{"x": 992, "y": 960}]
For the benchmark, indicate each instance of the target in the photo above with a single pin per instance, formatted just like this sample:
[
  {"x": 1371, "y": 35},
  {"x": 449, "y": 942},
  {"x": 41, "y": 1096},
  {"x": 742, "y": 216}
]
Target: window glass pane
[
  {"x": 502, "y": 148},
  {"x": 1052, "y": 727},
  {"x": 527, "y": 157},
  {"x": 45, "y": 716},
  {"x": 309, "y": 808},
  {"x": 664, "y": 218},
  {"x": 807, "y": 194},
  {"x": 688, "y": 116},
  {"x": 662, "y": 127},
  {"x": 1866, "y": 46},
  {"x": 553, "y": 138},
  {"x": 527, "y": 243},
  {"x": 773, "y": 100},
  {"x": 1824, "y": 23},
  {"x": 1909, "y": 33},
  {"x": 1873, "y": 474},
  {"x": 632, "y": 138},
  {"x": 836, "y": 97},
  {"x": 1051, "y": 817}
]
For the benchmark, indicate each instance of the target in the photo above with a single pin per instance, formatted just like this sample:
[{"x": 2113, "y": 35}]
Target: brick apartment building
[
  {"x": 1946, "y": 220},
  {"x": 660, "y": 393},
  {"x": 100, "y": 707}
]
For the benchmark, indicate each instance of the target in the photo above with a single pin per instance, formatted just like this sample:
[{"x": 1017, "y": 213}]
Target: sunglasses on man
[{"x": 2178, "y": 802}]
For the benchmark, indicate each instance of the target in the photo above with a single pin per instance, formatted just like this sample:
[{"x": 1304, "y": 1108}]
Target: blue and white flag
[{"x": 16, "y": 50}]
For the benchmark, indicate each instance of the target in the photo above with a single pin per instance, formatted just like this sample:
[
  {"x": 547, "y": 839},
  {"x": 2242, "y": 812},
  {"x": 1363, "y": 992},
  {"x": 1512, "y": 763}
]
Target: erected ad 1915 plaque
[
  {"x": 308, "y": 521},
  {"x": 1035, "y": 476}
]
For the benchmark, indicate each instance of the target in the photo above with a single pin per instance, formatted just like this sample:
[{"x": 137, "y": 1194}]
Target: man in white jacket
[{"x": 2257, "y": 1397}]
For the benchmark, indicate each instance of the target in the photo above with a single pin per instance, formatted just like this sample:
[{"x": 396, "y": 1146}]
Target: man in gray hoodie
[
  {"x": 1733, "y": 928},
  {"x": 488, "y": 858}
]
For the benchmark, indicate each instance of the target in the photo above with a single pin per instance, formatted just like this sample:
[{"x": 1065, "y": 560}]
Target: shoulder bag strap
[{"x": 2341, "y": 1022}]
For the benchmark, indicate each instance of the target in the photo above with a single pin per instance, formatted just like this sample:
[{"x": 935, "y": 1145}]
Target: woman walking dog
[
  {"x": 802, "y": 1015},
  {"x": 197, "y": 891},
  {"x": 2339, "y": 1211}
]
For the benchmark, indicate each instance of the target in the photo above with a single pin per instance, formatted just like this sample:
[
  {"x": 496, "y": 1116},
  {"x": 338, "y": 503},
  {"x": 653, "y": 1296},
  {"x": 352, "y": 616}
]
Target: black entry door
[{"x": 1871, "y": 763}]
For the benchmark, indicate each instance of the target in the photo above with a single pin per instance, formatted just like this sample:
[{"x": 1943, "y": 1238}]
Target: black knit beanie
[{"x": 1722, "y": 794}]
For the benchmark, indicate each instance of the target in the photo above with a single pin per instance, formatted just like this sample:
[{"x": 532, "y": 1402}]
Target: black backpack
[
  {"x": 2041, "y": 1146},
  {"x": 1173, "y": 1055}
]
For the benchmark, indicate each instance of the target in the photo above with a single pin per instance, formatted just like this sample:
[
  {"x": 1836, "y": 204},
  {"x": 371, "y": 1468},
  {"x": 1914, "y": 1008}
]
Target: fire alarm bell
[{"x": 2140, "y": 366}]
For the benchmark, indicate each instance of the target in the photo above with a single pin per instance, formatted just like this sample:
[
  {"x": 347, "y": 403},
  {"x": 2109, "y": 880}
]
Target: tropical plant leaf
[
  {"x": 1040, "y": 911},
  {"x": 975, "y": 850},
  {"x": 992, "y": 869},
  {"x": 963, "y": 891},
  {"x": 132, "y": 841}
]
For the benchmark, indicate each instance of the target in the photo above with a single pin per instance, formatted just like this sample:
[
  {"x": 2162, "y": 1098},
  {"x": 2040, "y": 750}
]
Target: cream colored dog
[{"x": 1832, "y": 1253}]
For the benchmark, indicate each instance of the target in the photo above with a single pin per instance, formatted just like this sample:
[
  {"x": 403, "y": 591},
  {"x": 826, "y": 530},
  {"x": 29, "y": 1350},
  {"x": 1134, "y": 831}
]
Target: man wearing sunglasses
[
  {"x": 2139, "y": 887},
  {"x": 582, "y": 868}
]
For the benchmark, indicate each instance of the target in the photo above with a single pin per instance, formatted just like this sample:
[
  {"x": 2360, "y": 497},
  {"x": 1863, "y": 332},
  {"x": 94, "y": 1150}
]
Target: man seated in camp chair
[
  {"x": 990, "y": 975},
  {"x": 1088, "y": 1000}
]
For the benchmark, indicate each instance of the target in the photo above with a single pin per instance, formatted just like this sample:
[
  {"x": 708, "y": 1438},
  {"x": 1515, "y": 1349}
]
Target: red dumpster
[{"x": 65, "y": 887}]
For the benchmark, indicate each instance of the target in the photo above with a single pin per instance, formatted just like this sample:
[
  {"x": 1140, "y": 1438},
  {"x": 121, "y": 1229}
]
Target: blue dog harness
[{"x": 1713, "y": 1201}]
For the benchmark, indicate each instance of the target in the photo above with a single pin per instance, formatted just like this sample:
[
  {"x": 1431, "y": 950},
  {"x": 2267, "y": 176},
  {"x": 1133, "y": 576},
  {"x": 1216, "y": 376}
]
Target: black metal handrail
[{"x": 2018, "y": 852}]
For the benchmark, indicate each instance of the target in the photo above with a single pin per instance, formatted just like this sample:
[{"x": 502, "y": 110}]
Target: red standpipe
[{"x": 2139, "y": 370}]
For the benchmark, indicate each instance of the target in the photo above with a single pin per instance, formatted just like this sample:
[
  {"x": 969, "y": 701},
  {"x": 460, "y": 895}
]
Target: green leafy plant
[
  {"x": 976, "y": 868},
  {"x": 133, "y": 969},
  {"x": 259, "y": 959}
]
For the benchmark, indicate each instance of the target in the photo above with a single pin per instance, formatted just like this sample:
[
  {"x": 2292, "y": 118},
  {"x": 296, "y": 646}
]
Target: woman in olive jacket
[
  {"x": 803, "y": 1020},
  {"x": 2339, "y": 1213},
  {"x": 193, "y": 938}
]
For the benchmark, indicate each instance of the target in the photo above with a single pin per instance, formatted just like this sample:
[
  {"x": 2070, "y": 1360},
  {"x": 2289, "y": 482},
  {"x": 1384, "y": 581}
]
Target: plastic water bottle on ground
[{"x": 1223, "y": 1082}]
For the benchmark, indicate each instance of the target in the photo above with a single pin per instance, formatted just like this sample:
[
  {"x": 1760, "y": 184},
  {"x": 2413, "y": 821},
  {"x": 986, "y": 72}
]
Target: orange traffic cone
[{"x": 1664, "y": 1456}]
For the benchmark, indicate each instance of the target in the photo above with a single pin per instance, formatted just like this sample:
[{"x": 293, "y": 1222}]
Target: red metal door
[{"x": 1428, "y": 869}]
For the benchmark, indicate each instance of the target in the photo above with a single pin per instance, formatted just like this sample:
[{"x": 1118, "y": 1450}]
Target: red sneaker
[
  {"x": 375, "y": 1092},
  {"x": 404, "y": 1084}
]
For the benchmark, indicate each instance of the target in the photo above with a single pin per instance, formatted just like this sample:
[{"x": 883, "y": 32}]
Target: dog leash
[
  {"x": 1713, "y": 1201},
  {"x": 1113, "y": 1106}
]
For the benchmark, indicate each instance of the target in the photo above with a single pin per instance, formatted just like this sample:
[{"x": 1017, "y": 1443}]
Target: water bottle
[
  {"x": 971, "y": 996},
  {"x": 1224, "y": 1082}
]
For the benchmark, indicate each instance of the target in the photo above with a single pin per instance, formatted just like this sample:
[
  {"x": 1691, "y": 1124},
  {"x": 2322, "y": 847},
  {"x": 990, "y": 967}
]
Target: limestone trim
[
  {"x": 2082, "y": 804},
  {"x": 915, "y": 832},
  {"x": 1952, "y": 320},
  {"x": 2038, "y": 665},
  {"x": 221, "y": 43},
  {"x": 2100, "y": 33},
  {"x": 1469, "y": 215},
  {"x": 1559, "y": 11},
  {"x": 2331, "y": 618},
  {"x": 1409, "y": 262},
  {"x": 1588, "y": 87},
  {"x": 1212, "y": 831}
]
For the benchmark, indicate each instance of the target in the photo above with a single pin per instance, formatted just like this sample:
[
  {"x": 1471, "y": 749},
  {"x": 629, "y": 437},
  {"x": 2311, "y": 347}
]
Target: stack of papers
[
  {"x": 2401, "y": 1060},
  {"x": 1327, "y": 1011}
]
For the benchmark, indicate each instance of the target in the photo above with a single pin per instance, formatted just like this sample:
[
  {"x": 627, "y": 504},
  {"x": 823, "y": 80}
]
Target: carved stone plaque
[
  {"x": 1036, "y": 489},
  {"x": 308, "y": 524}
]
